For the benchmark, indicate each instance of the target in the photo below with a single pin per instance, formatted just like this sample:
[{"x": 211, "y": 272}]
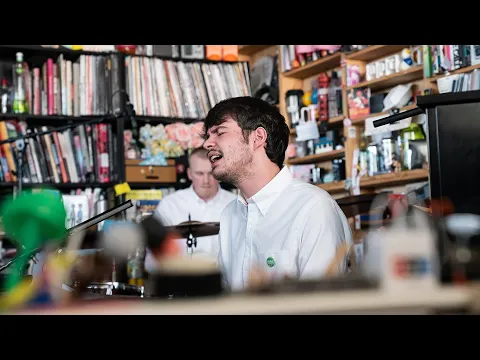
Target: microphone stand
[
  {"x": 130, "y": 115},
  {"x": 21, "y": 144},
  {"x": 397, "y": 117}
]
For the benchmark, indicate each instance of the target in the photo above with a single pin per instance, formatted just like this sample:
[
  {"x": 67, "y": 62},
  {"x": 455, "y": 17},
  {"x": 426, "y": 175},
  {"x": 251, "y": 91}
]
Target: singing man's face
[{"x": 228, "y": 151}]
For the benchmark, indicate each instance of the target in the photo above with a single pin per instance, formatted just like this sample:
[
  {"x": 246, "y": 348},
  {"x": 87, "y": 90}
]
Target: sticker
[
  {"x": 352, "y": 132},
  {"x": 121, "y": 189},
  {"x": 347, "y": 122},
  {"x": 270, "y": 262}
]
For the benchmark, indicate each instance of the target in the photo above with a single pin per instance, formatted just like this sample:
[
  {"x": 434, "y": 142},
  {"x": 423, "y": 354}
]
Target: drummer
[
  {"x": 279, "y": 226},
  {"x": 204, "y": 201}
]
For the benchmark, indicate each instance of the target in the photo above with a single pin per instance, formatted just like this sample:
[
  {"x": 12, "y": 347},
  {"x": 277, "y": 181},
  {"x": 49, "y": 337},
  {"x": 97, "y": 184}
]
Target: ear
[
  {"x": 259, "y": 137},
  {"x": 189, "y": 174}
]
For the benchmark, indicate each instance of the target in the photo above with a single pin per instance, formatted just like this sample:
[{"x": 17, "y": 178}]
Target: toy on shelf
[
  {"x": 307, "y": 53},
  {"x": 127, "y": 49},
  {"x": 31, "y": 220},
  {"x": 407, "y": 59},
  {"x": 323, "y": 83}
]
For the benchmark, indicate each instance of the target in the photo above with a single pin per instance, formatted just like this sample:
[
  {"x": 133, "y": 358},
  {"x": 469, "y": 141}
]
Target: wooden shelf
[
  {"x": 362, "y": 119},
  {"x": 30, "y": 50},
  {"x": 251, "y": 49},
  {"x": 56, "y": 118},
  {"x": 164, "y": 120},
  {"x": 316, "y": 158},
  {"x": 316, "y": 67},
  {"x": 59, "y": 186},
  {"x": 375, "y": 52},
  {"x": 333, "y": 187},
  {"x": 453, "y": 72},
  {"x": 337, "y": 120},
  {"x": 378, "y": 181},
  {"x": 403, "y": 77},
  {"x": 393, "y": 179}
]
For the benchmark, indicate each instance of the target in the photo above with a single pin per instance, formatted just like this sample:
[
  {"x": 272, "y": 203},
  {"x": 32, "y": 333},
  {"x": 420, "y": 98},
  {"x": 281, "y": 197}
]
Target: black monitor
[{"x": 453, "y": 121}]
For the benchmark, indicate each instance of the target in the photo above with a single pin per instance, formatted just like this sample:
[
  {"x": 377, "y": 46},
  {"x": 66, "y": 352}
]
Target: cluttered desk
[{"x": 422, "y": 261}]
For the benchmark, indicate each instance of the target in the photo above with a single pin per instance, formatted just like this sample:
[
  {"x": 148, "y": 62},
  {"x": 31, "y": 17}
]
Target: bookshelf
[
  {"x": 351, "y": 129},
  {"x": 100, "y": 83},
  {"x": 149, "y": 112}
]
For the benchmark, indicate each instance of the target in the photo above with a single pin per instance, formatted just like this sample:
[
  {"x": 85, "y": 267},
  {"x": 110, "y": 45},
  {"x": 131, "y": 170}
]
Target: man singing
[{"x": 283, "y": 226}]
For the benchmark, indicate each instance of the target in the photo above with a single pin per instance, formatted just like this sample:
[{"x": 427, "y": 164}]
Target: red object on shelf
[
  {"x": 322, "y": 96},
  {"x": 128, "y": 49}
]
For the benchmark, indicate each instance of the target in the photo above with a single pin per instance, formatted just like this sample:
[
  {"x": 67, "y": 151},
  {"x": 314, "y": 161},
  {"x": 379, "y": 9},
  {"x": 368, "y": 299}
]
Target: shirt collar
[
  {"x": 200, "y": 200},
  {"x": 270, "y": 192}
]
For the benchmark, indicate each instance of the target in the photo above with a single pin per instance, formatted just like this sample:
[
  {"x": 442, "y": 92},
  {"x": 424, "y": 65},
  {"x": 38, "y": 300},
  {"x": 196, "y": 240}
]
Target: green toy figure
[{"x": 32, "y": 220}]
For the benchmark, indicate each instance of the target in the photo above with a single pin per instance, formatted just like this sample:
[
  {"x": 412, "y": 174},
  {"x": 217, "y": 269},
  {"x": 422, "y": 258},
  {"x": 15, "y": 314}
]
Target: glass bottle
[
  {"x": 19, "y": 99},
  {"x": 136, "y": 267},
  {"x": 5, "y": 99}
]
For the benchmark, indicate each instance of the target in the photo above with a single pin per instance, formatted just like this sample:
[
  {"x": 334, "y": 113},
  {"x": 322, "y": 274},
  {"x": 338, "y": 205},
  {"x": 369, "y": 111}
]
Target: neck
[
  {"x": 209, "y": 197},
  {"x": 260, "y": 176}
]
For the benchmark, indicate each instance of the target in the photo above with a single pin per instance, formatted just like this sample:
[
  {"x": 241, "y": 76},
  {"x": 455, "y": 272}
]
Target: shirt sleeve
[
  {"x": 222, "y": 251},
  {"x": 162, "y": 212},
  {"x": 325, "y": 231},
  {"x": 221, "y": 265}
]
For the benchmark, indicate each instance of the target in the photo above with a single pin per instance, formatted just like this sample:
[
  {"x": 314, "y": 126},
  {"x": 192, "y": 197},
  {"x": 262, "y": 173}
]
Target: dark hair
[{"x": 251, "y": 113}]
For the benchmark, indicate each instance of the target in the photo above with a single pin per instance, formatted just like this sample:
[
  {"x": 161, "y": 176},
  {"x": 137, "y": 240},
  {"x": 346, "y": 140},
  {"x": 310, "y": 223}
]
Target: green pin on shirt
[{"x": 270, "y": 262}]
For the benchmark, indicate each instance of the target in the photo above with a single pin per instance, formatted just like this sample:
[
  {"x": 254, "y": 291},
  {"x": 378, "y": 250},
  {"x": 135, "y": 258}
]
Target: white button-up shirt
[
  {"x": 288, "y": 228},
  {"x": 174, "y": 209}
]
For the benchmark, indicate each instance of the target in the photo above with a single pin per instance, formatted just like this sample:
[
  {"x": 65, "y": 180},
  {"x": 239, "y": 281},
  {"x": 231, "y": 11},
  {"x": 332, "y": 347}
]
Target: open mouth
[{"x": 215, "y": 158}]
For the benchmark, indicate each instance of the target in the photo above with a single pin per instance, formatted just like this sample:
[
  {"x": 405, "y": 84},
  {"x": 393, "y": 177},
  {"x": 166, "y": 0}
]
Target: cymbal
[{"x": 196, "y": 228}]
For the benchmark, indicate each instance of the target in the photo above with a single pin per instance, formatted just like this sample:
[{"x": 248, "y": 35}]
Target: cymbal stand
[{"x": 191, "y": 240}]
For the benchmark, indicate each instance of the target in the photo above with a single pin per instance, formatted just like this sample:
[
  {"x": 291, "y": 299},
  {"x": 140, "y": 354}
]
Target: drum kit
[
  {"x": 92, "y": 272},
  {"x": 174, "y": 278}
]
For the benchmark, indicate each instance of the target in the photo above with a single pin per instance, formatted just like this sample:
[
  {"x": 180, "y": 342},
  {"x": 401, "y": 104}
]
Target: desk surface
[{"x": 307, "y": 303}]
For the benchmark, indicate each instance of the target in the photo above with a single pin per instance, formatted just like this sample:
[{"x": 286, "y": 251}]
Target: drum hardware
[
  {"x": 113, "y": 288},
  {"x": 191, "y": 240},
  {"x": 191, "y": 230}
]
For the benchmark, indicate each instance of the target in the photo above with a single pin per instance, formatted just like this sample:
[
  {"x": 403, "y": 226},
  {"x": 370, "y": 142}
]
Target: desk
[{"x": 344, "y": 302}]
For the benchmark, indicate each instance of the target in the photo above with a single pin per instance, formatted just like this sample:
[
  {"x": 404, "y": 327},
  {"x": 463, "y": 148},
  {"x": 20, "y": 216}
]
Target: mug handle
[{"x": 304, "y": 118}]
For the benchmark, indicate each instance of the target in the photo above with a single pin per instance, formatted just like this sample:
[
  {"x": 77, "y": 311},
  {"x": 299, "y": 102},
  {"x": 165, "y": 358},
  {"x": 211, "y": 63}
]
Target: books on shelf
[
  {"x": 439, "y": 59},
  {"x": 70, "y": 88},
  {"x": 468, "y": 81},
  {"x": 178, "y": 89},
  {"x": 84, "y": 154}
]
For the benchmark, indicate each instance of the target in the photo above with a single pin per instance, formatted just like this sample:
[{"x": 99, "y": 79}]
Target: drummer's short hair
[{"x": 200, "y": 151}]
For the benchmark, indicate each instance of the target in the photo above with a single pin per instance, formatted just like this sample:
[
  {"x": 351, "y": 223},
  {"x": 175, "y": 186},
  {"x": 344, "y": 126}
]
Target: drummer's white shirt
[
  {"x": 174, "y": 209},
  {"x": 296, "y": 225}
]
